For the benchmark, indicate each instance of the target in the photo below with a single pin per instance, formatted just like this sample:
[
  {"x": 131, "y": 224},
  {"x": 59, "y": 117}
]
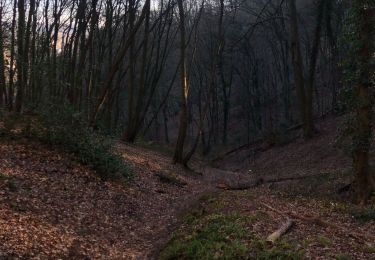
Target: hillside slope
[
  {"x": 301, "y": 181},
  {"x": 53, "y": 207},
  {"x": 317, "y": 166}
]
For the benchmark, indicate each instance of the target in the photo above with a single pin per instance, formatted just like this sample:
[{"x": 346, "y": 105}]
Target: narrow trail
[
  {"x": 200, "y": 182},
  {"x": 52, "y": 207}
]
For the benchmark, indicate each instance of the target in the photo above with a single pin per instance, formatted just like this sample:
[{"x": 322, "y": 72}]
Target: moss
[
  {"x": 223, "y": 236},
  {"x": 343, "y": 257},
  {"x": 364, "y": 215},
  {"x": 324, "y": 241},
  {"x": 12, "y": 186},
  {"x": 369, "y": 249},
  {"x": 218, "y": 236},
  {"x": 17, "y": 207},
  {"x": 3, "y": 176}
]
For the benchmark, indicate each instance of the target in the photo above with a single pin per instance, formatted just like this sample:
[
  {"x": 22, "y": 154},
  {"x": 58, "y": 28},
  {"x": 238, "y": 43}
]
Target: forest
[{"x": 187, "y": 129}]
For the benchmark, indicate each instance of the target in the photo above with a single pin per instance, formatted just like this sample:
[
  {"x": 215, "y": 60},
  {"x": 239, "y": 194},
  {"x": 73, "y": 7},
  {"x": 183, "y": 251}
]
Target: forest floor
[{"x": 53, "y": 207}]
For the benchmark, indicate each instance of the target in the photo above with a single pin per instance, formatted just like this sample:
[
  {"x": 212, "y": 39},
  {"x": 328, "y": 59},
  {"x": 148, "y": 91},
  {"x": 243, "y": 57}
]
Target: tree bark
[
  {"x": 364, "y": 92},
  {"x": 20, "y": 55},
  {"x": 107, "y": 84},
  {"x": 309, "y": 128},
  {"x": 179, "y": 150},
  {"x": 304, "y": 98},
  {"x": 3, "y": 90},
  {"x": 12, "y": 58}
]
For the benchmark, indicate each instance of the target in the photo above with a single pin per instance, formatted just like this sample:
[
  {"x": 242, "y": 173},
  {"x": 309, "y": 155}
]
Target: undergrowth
[
  {"x": 68, "y": 132},
  {"x": 224, "y": 236}
]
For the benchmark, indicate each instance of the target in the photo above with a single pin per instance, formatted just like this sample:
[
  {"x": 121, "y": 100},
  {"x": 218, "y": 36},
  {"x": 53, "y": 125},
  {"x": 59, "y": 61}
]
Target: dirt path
[
  {"x": 51, "y": 207},
  {"x": 198, "y": 183}
]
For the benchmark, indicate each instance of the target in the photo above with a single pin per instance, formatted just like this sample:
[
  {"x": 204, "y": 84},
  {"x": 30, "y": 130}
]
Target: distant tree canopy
[{"x": 203, "y": 73}]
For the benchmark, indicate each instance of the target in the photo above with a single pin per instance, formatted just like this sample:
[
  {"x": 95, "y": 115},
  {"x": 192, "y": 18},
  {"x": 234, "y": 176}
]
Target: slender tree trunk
[
  {"x": 138, "y": 118},
  {"x": 128, "y": 135},
  {"x": 54, "y": 81},
  {"x": 298, "y": 68},
  {"x": 33, "y": 56},
  {"x": 179, "y": 150},
  {"x": 26, "y": 48},
  {"x": 12, "y": 57},
  {"x": 309, "y": 128},
  {"x": 165, "y": 117},
  {"x": 220, "y": 60},
  {"x": 3, "y": 90},
  {"x": 106, "y": 87},
  {"x": 20, "y": 55}
]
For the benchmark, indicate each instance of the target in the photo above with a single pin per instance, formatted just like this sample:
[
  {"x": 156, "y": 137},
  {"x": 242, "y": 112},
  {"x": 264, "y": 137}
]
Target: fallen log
[
  {"x": 261, "y": 181},
  {"x": 258, "y": 141},
  {"x": 238, "y": 148},
  {"x": 317, "y": 221},
  {"x": 241, "y": 186},
  {"x": 281, "y": 231}
]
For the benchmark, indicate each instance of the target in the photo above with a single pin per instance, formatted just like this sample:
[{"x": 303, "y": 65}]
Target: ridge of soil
[{"x": 53, "y": 207}]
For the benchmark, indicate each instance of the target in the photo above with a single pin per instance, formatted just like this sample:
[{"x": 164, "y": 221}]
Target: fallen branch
[
  {"x": 261, "y": 181},
  {"x": 241, "y": 186},
  {"x": 281, "y": 231},
  {"x": 317, "y": 221},
  {"x": 170, "y": 179},
  {"x": 238, "y": 148},
  {"x": 258, "y": 141}
]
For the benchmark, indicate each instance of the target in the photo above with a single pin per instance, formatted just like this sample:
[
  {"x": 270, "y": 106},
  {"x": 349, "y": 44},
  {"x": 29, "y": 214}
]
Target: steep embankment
[
  {"x": 317, "y": 166},
  {"x": 301, "y": 181},
  {"x": 52, "y": 207}
]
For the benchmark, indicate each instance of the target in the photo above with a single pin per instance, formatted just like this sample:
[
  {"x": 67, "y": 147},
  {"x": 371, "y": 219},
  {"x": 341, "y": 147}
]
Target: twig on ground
[
  {"x": 317, "y": 221},
  {"x": 281, "y": 231}
]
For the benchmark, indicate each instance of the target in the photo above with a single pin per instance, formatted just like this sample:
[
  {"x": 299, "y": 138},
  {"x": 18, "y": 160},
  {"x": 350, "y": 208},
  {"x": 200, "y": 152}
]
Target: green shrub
[
  {"x": 364, "y": 215},
  {"x": 60, "y": 126}
]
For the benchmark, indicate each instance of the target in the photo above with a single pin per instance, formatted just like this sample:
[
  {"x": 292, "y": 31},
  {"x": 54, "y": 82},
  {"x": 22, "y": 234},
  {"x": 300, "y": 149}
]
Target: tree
[
  {"x": 364, "y": 11},
  {"x": 116, "y": 62},
  {"x": 179, "y": 150},
  {"x": 136, "y": 100},
  {"x": 305, "y": 91},
  {"x": 3, "y": 90},
  {"x": 20, "y": 55}
]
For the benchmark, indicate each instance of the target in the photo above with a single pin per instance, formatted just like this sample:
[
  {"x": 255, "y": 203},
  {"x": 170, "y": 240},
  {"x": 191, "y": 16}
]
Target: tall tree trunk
[
  {"x": 114, "y": 67},
  {"x": 138, "y": 118},
  {"x": 20, "y": 55},
  {"x": 128, "y": 135},
  {"x": 220, "y": 60},
  {"x": 26, "y": 48},
  {"x": 33, "y": 56},
  {"x": 179, "y": 150},
  {"x": 12, "y": 58},
  {"x": 364, "y": 91},
  {"x": 309, "y": 128},
  {"x": 54, "y": 50},
  {"x": 3, "y": 90},
  {"x": 298, "y": 69}
]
